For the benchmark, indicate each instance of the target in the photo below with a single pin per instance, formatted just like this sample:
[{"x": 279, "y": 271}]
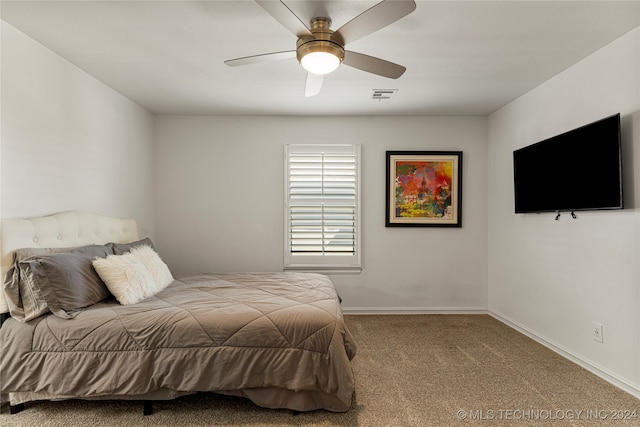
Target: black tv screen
[{"x": 577, "y": 170}]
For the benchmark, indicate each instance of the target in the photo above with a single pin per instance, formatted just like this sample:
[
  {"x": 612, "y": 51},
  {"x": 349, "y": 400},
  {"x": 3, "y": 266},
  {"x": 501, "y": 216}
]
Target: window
[{"x": 322, "y": 208}]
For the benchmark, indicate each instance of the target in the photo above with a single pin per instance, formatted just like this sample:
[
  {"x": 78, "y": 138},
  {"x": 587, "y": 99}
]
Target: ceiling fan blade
[
  {"x": 285, "y": 16},
  {"x": 379, "y": 16},
  {"x": 374, "y": 65},
  {"x": 265, "y": 57},
  {"x": 313, "y": 84}
]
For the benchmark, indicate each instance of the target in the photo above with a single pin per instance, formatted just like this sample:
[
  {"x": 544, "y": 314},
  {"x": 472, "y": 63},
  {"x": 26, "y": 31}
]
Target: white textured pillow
[
  {"x": 133, "y": 276},
  {"x": 158, "y": 269},
  {"x": 126, "y": 278}
]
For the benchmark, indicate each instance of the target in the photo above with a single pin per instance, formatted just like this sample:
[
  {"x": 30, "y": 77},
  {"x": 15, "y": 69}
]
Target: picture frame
[{"x": 424, "y": 189}]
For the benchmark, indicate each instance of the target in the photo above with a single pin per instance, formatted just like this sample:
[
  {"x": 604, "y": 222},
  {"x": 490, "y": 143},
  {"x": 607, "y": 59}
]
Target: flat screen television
[{"x": 578, "y": 170}]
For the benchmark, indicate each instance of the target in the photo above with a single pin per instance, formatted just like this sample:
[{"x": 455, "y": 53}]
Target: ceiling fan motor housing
[{"x": 323, "y": 40}]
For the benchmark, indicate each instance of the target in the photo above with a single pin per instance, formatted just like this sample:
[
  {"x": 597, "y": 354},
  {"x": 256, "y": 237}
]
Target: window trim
[{"x": 323, "y": 263}]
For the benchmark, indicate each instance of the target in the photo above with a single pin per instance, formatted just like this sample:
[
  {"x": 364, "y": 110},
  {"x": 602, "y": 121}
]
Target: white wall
[
  {"x": 554, "y": 278},
  {"x": 220, "y": 204},
  {"x": 68, "y": 141}
]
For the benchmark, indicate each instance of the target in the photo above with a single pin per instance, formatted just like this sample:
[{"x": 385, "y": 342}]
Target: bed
[{"x": 278, "y": 339}]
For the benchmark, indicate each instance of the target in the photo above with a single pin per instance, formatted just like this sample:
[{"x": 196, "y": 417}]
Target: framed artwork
[{"x": 424, "y": 189}]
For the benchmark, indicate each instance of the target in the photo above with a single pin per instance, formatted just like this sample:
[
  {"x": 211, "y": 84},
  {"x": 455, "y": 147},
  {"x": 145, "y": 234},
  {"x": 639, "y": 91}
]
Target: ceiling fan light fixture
[
  {"x": 323, "y": 51},
  {"x": 320, "y": 50},
  {"x": 320, "y": 62}
]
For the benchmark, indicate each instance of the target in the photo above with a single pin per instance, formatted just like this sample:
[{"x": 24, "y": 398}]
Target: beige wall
[
  {"x": 68, "y": 141},
  {"x": 555, "y": 278},
  {"x": 220, "y": 204}
]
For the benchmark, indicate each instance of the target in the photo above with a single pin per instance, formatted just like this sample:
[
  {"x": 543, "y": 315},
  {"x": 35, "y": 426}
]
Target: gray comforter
[{"x": 277, "y": 338}]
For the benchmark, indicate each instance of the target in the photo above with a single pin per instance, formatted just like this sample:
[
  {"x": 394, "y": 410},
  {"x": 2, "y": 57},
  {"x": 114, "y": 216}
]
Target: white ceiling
[{"x": 462, "y": 57}]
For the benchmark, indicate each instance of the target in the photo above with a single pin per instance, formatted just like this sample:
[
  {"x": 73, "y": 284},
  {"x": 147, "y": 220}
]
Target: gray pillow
[
  {"x": 25, "y": 301},
  {"x": 67, "y": 280},
  {"x": 123, "y": 248},
  {"x": 24, "y": 295}
]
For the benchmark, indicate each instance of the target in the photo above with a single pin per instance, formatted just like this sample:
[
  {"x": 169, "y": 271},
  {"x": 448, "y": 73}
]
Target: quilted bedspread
[{"x": 277, "y": 338}]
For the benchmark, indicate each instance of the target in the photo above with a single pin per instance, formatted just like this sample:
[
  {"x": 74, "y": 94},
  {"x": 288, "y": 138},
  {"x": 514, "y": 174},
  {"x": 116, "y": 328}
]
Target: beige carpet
[{"x": 414, "y": 370}]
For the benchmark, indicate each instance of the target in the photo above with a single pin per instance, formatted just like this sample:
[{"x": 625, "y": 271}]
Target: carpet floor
[{"x": 411, "y": 370}]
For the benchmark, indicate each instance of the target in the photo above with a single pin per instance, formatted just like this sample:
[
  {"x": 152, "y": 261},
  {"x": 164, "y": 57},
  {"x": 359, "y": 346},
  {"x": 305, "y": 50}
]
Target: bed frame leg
[
  {"x": 16, "y": 409},
  {"x": 147, "y": 408}
]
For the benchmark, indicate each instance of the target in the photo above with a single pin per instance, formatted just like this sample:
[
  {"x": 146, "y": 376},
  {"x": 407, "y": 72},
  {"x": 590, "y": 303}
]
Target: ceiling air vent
[{"x": 381, "y": 94}]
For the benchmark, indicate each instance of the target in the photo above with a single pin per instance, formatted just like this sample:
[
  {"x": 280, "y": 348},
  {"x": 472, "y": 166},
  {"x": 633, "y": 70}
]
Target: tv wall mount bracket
[{"x": 573, "y": 215}]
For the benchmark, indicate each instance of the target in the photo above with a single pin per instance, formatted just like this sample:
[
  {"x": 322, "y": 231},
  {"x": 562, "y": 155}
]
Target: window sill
[{"x": 325, "y": 270}]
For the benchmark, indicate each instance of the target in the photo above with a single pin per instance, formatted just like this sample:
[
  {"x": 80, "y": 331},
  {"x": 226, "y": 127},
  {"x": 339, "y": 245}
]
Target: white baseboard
[
  {"x": 414, "y": 310},
  {"x": 590, "y": 366}
]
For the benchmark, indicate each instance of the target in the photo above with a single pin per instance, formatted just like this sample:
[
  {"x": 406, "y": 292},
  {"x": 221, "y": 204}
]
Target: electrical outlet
[{"x": 597, "y": 332}]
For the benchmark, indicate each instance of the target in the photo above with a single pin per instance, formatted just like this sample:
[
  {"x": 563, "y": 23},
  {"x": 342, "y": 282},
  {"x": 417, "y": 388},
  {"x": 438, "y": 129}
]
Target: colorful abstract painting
[{"x": 423, "y": 188}]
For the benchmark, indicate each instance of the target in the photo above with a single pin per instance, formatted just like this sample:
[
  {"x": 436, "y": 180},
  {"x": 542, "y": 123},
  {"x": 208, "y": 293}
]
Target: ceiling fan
[{"x": 320, "y": 50}]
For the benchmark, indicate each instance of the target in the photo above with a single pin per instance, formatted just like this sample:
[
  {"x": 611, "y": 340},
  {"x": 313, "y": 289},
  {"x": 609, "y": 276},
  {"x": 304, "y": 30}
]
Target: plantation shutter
[{"x": 322, "y": 210}]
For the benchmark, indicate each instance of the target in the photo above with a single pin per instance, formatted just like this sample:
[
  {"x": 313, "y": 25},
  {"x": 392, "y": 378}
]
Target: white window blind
[{"x": 322, "y": 214}]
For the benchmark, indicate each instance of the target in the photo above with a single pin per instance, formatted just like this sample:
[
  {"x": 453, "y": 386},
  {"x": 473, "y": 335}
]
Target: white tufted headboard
[{"x": 66, "y": 229}]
